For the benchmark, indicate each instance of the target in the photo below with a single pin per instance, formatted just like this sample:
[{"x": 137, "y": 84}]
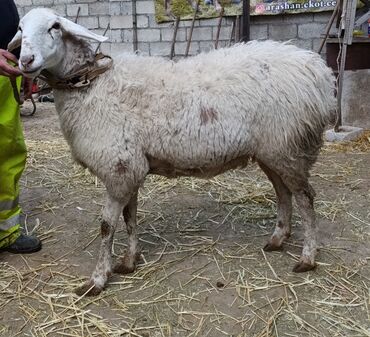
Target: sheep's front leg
[
  {"x": 103, "y": 268},
  {"x": 127, "y": 263}
]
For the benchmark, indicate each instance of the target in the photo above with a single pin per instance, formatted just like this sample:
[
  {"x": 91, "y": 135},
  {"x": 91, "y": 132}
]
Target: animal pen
[
  {"x": 202, "y": 269},
  {"x": 203, "y": 272}
]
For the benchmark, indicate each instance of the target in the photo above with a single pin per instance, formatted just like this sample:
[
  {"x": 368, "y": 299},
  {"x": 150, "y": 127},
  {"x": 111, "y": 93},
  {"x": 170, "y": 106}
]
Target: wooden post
[
  {"x": 191, "y": 30},
  {"x": 99, "y": 44},
  {"x": 246, "y": 21},
  {"x": 78, "y": 13},
  {"x": 340, "y": 11},
  {"x": 134, "y": 26},
  {"x": 172, "y": 54},
  {"x": 219, "y": 27},
  {"x": 232, "y": 34},
  {"x": 237, "y": 29},
  {"x": 343, "y": 55},
  {"x": 328, "y": 27},
  {"x": 347, "y": 40}
]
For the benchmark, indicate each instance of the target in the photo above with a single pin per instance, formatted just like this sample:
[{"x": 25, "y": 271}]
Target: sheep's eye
[
  {"x": 20, "y": 29},
  {"x": 56, "y": 25}
]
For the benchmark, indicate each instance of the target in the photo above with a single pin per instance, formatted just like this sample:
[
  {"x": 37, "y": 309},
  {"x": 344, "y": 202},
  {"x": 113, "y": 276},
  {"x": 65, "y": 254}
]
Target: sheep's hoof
[
  {"x": 127, "y": 264},
  {"x": 270, "y": 247},
  {"x": 88, "y": 289},
  {"x": 122, "y": 268},
  {"x": 302, "y": 267}
]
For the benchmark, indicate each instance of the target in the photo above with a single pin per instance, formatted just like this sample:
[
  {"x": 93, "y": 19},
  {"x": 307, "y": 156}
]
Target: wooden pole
[
  {"x": 328, "y": 27},
  {"x": 78, "y": 13},
  {"x": 246, "y": 21},
  {"x": 134, "y": 26},
  {"x": 172, "y": 54},
  {"x": 347, "y": 40},
  {"x": 99, "y": 44},
  {"x": 191, "y": 29},
  {"x": 343, "y": 56},
  {"x": 237, "y": 29},
  {"x": 219, "y": 27},
  {"x": 340, "y": 11},
  {"x": 232, "y": 34}
]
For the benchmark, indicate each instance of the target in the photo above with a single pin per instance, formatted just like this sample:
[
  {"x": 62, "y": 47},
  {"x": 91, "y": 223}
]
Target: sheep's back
[{"x": 249, "y": 99}]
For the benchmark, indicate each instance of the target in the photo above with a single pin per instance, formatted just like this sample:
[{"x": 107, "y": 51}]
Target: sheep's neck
[{"x": 76, "y": 54}]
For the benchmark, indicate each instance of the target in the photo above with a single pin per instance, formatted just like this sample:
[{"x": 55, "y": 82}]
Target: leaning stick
[
  {"x": 99, "y": 44},
  {"x": 191, "y": 29},
  {"x": 78, "y": 13},
  {"x": 328, "y": 27},
  {"x": 232, "y": 32},
  {"x": 219, "y": 27},
  {"x": 174, "y": 37},
  {"x": 237, "y": 28},
  {"x": 134, "y": 26}
]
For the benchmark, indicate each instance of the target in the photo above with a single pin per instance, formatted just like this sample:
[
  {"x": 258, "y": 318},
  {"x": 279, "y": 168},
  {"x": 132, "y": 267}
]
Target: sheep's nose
[{"x": 27, "y": 60}]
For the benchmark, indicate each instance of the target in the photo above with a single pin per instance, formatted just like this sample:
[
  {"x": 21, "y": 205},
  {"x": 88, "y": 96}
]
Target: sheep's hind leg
[
  {"x": 297, "y": 182},
  {"x": 103, "y": 268},
  {"x": 284, "y": 210},
  {"x": 304, "y": 198},
  {"x": 127, "y": 263}
]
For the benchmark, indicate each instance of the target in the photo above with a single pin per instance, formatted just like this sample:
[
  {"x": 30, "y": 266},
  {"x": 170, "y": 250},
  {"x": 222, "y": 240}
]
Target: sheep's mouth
[{"x": 32, "y": 72}]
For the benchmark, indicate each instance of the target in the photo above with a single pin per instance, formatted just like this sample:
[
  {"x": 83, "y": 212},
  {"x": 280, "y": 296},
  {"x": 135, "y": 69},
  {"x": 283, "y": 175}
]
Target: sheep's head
[{"x": 40, "y": 34}]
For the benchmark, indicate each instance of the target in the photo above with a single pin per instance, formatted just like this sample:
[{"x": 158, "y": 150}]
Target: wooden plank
[
  {"x": 350, "y": 21},
  {"x": 355, "y": 59},
  {"x": 355, "y": 40}
]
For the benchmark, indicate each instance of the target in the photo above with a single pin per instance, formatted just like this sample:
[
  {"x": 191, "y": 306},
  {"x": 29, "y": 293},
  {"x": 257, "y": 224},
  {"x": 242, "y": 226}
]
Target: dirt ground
[{"x": 203, "y": 272}]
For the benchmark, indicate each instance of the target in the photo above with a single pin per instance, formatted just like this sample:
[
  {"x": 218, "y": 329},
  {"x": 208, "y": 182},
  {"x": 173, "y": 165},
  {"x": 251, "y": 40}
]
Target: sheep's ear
[
  {"x": 16, "y": 41},
  {"x": 77, "y": 30}
]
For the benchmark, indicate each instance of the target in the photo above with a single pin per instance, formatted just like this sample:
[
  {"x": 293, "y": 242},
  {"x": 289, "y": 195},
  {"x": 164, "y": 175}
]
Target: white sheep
[{"x": 262, "y": 101}]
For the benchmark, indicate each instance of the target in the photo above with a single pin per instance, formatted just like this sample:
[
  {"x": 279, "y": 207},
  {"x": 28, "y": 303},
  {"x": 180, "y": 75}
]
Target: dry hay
[
  {"x": 259, "y": 301},
  {"x": 362, "y": 144},
  {"x": 190, "y": 283}
]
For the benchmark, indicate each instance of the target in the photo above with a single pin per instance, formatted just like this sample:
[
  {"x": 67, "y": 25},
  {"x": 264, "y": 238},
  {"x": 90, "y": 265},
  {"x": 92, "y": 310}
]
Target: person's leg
[{"x": 12, "y": 162}]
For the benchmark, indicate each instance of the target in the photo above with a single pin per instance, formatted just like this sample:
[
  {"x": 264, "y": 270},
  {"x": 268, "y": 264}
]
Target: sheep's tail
[
  {"x": 313, "y": 100},
  {"x": 320, "y": 107}
]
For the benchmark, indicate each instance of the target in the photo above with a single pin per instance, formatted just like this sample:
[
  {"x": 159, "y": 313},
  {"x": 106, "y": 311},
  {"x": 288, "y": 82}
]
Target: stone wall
[{"x": 155, "y": 39}]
